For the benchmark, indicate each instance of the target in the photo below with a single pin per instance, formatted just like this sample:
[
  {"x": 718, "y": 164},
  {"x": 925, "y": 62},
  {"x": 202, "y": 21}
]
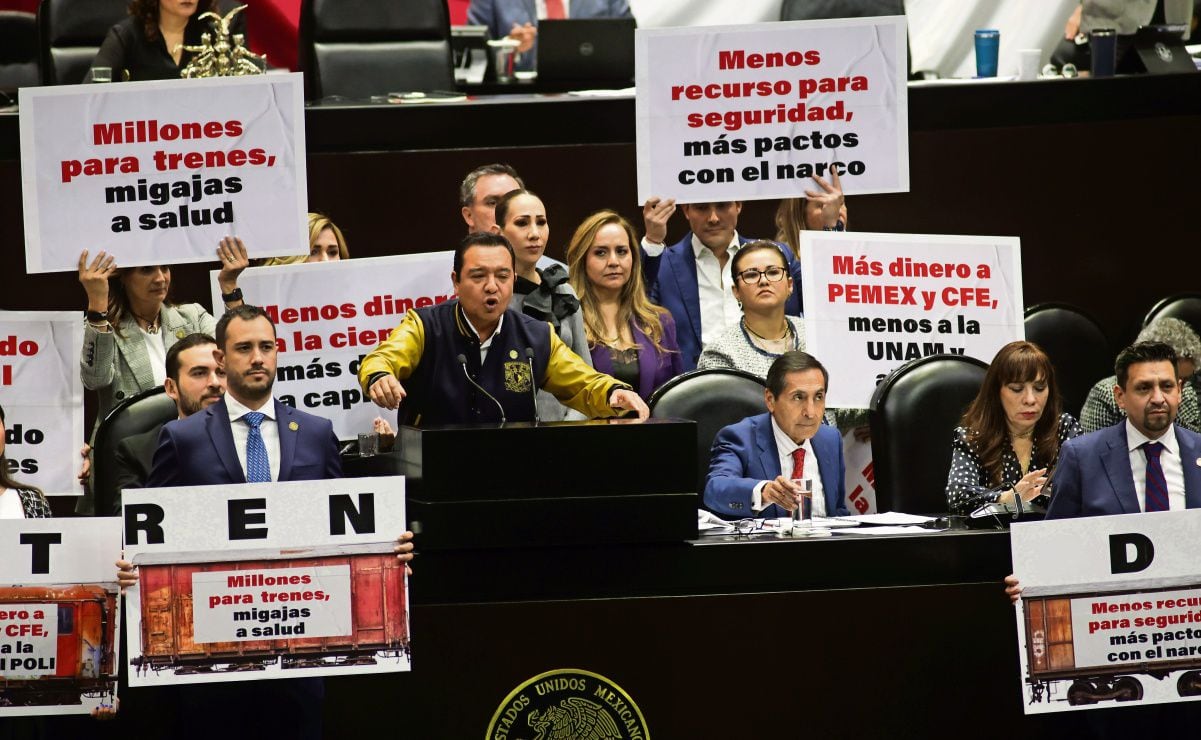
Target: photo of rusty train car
[
  {"x": 379, "y": 619},
  {"x": 1051, "y": 653},
  {"x": 84, "y": 665}
]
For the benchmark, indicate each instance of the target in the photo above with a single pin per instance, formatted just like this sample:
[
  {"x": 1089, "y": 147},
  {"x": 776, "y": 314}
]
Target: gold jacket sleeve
[
  {"x": 575, "y": 384},
  {"x": 397, "y": 355}
]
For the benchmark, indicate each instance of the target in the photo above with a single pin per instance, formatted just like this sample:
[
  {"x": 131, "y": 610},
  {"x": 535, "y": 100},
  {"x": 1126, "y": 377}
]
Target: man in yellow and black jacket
[{"x": 474, "y": 360}]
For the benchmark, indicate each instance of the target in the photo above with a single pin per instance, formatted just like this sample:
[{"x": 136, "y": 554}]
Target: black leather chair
[
  {"x": 69, "y": 35},
  {"x": 1183, "y": 306},
  {"x": 1077, "y": 346},
  {"x": 713, "y": 399},
  {"x": 805, "y": 10},
  {"x": 914, "y": 412},
  {"x": 360, "y": 48},
  {"x": 134, "y": 415},
  {"x": 18, "y": 50}
]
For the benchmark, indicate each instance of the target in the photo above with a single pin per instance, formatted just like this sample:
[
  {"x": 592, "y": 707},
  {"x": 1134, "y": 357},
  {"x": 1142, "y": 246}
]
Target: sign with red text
[
  {"x": 158, "y": 172},
  {"x": 42, "y": 398},
  {"x": 872, "y": 302},
  {"x": 329, "y": 315},
  {"x": 58, "y": 615},
  {"x": 756, "y": 111},
  {"x": 1110, "y": 613},
  {"x": 860, "y": 478},
  {"x": 266, "y": 580}
]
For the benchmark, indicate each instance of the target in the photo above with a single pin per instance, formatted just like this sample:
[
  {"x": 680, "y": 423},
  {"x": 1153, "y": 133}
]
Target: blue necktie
[
  {"x": 258, "y": 467},
  {"x": 1157, "y": 486}
]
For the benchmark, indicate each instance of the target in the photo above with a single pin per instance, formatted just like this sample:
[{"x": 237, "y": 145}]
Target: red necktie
[
  {"x": 555, "y": 10},
  {"x": 798, "y": 472}
]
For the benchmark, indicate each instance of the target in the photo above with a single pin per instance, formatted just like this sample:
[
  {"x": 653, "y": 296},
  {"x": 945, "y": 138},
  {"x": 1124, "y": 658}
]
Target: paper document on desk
[
  {"x": 879, "y": 531},
  {"x": 890, "y": 518}
]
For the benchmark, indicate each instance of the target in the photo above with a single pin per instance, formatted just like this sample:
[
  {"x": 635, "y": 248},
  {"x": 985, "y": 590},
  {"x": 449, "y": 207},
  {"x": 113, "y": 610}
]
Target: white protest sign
[
  {"x": 294, "y": 602},
  {"x": 158, "y": 172},
  {"x": 329, "y": 315},
  {"x": 28, "y": 640},
  {"x": 280, "y": 575},
  {"x": 754, "y": 111},
  {"x": 1109, "y": 604},
  {"x": 872, "y": 302},
  {"x": 58, "y": 614},
  {"x": 860, "y": 479},
  {"x": 42, "y": 397}
]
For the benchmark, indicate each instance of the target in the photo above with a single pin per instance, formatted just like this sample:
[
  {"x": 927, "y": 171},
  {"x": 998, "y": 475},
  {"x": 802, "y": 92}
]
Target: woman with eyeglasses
[{"x": 761, "y": 284}]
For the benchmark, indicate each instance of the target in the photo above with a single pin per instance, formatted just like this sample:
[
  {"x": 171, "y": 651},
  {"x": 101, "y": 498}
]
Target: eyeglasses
[{"x": 774, "y": 275}]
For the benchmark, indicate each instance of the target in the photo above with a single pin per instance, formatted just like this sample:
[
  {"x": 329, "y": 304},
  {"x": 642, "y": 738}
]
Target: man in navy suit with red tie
[
  {"x": 755, "y": 462},
  {"x": 1144, "y": 463}
]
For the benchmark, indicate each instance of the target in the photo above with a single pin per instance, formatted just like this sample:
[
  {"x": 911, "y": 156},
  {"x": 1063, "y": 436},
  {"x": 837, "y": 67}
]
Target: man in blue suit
[
  {"x": 210, "y": 446},
  {"x": 248, "y": 437},
  {"x": 518, "y": 19},
  {"x": 1144, "y": 463},
  {"x": 691, "y": 278},
  {"x": 755, "y": 461}
]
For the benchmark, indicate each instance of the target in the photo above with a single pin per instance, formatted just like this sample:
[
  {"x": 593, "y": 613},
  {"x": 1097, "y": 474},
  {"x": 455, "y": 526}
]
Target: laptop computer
[
  {"x": 586, "y": 49},
  {"x": 1157, "y": 50}
]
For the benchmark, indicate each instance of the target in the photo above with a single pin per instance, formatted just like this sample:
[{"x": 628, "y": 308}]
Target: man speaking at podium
[{"x": 474, "y": 360}]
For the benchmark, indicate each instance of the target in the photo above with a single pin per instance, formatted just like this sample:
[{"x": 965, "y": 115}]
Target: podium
[{"x": 523, "y": 484}]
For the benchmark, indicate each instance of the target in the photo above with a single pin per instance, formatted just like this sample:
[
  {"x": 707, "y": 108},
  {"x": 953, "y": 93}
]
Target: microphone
[
  {"x": 529, "y": 356},
  {"x": 463, "y": 363}
]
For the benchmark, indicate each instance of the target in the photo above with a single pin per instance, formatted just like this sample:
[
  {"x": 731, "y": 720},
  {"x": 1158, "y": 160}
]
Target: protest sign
[
  {"x": 872, "y": 302},
  {"x": 1110, "y": 613},
  {"x": 157, "y": 172},
  {"x": 755, "y": 111},
  {"x": 329, "y": 315},
  {"x": 266, "y": 580},
  {"x": 42, "y": 397},
  {"x": 58, "y": 615},
  {"x": 860, "y": 479}
]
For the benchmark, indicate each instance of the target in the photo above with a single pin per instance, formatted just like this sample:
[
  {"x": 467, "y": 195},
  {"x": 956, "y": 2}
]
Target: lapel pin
[
  {"x": 294, "y": 426},
  {"x": 1199, "y": 462},
  {"x": 512, "y": 354},
  {"x": 180, "y": 333}
]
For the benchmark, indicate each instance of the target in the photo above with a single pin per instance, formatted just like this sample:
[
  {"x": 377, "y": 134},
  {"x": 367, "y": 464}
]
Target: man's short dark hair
[
  {"x": 1142, "y": 352},
  {"x": 197, "y": 339},
  {"x": 467, "y": 187},
  {"x": 791, "y": 362},
  {"x": 245, "y": 312},
  {"x": 481, "y": 239}
]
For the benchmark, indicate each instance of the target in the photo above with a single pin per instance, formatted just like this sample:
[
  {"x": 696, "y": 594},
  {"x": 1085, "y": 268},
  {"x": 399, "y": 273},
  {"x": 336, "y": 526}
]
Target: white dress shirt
[
  {"x": 1169, "y": 460},
  {"x": 719, "y": 308},
  {"x": 785, "y": 447},
  {"x": 487, "y": 343},
  {"x": 269, "y": 430}
]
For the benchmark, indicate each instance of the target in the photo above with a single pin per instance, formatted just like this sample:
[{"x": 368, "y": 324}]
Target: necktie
[
  {"x": 1157, "y": 487},
  {"x": 555, "y": 9},
  {"x": 798, "y": 472},
  {"x": 258, "y": 467}
]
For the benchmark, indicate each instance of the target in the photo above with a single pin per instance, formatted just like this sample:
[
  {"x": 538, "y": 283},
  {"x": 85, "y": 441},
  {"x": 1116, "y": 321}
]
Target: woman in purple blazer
[{"x": 629, "y": 337}]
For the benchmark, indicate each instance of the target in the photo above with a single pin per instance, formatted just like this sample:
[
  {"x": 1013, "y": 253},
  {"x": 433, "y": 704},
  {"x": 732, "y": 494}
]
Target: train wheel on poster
[{"x": 1128, "y": 688}]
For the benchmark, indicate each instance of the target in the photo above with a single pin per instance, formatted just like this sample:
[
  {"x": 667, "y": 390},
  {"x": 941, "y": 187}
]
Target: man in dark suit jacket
[
  {"x": 194, "y": 381},
  {"x": 518, "y": 19},
  {"x": 753, "y": 463},
  {"x": 700, "y": 301},
  {"x": 1106, "y": 472}
]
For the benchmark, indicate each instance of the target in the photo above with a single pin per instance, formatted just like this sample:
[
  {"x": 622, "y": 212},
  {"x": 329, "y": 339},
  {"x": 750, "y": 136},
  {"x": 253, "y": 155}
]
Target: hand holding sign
[
  {"x": 232, "y": 253},
  {"x": 655, "y": 215},
  {"x": 830, "y": 201},
  {"x": 94, "y": 278}
]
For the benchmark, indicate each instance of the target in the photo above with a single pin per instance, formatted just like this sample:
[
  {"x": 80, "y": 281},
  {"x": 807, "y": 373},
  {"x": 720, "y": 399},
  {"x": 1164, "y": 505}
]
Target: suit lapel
[
  {"x": 216, "y": 422},
  {"x": 288, "y": 429},
  {"x": 133, "y": 349},
  {"x": 648, "y": 361},
  {"x": 683, "y": 271},
  {"x": 827, "y": 468},
  {"x": 1116, "y": 460},
  {"x": 1190, "y": 462},
  {"x": 769, "y": 459}
]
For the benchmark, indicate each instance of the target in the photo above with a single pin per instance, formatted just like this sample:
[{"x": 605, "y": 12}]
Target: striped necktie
[{"x": 1157, "y": 486}]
